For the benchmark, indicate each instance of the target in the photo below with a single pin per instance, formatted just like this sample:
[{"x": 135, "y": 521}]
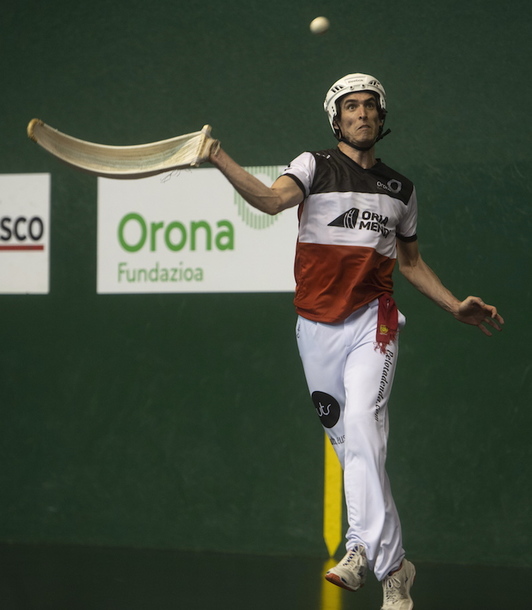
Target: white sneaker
[
  {"x": 396, "y": 588},
  {"x": 351, "y": 572}
]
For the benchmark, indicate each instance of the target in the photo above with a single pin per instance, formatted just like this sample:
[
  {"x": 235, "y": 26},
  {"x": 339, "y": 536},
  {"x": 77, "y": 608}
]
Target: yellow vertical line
[
  {"x": 332, "y": 499},
  {"x": 331, "y": 595}
]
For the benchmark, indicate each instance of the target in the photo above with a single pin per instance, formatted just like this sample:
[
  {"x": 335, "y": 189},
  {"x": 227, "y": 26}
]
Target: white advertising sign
[
  {"x": 24, "y": 233},
  {"x": 189, "y": 231}
]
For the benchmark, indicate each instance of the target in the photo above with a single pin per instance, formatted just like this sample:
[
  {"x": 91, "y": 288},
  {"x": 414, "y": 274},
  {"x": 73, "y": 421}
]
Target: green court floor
[{"x": 81, "y": 578}]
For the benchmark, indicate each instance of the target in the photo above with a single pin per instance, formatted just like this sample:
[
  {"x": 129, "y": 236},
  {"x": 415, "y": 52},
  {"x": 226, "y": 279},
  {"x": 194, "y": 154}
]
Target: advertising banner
[
  {"x": 190, "y": 231},
  {"x": 24, "y": 233}
]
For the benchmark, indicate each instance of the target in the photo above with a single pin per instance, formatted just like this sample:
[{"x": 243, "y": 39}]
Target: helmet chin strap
[{"x": 364, "y": 148}]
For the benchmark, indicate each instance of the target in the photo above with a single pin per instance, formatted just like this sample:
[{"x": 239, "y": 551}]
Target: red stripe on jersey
[{"x": 334, "y": 281}]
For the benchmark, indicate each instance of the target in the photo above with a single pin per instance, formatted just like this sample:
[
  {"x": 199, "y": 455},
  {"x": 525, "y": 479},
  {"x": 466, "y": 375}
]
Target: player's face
[{"x": 359, "y": 119}]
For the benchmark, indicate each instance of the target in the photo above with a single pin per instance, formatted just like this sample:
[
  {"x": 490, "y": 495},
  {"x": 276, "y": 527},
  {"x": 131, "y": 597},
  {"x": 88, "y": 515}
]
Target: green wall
[{"x": 182, "y": 421}]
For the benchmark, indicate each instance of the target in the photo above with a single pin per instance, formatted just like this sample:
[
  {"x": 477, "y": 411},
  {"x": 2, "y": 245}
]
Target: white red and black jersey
[{"x": 348, "y": 225}]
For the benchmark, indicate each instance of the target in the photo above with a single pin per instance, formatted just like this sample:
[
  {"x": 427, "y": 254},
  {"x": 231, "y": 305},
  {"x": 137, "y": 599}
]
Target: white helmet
[{"x": 348, "y": 84}]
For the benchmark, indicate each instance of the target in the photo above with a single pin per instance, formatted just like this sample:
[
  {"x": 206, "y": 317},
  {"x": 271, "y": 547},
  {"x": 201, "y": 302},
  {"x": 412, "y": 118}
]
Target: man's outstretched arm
[
  {"x": 471, "y": 310},
  {"x": 284, "y": 192}
]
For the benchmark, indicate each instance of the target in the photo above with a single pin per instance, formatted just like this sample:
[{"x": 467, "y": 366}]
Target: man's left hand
[{"x": 474, "y": 311}]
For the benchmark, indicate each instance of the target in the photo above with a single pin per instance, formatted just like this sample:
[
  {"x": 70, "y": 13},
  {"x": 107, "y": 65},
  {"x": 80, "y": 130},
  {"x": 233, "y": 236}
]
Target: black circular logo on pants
[{"x": 327, "y": 408}]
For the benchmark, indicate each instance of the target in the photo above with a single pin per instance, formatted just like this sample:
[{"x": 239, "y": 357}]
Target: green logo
[{"x": 174, "y": 235}]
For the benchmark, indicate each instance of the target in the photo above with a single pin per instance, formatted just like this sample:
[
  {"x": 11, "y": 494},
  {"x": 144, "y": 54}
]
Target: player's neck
[{"x": 364, "y": 158}]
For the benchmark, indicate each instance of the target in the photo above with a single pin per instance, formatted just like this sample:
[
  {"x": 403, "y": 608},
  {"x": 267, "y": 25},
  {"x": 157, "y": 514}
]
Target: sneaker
[
  {"x": 351, "y": 572},
  {"x": 396, "y": 588}
]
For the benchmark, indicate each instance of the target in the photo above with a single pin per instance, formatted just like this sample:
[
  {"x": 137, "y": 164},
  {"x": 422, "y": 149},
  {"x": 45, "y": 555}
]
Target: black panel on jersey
[{"x": 337, "y": 173}]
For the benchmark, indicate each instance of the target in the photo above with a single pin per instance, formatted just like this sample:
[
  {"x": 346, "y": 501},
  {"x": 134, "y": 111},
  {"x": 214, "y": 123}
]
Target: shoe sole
[{"x": 336, "y": 580}]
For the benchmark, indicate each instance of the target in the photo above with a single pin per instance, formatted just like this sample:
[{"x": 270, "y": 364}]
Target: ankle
[{"x": 396, "y": 570}]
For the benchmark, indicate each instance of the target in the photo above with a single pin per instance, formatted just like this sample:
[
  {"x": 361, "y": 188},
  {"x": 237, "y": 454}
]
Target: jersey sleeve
[
  {"x": 302, "y": 170},
  {"x": 407, "y": 227}
]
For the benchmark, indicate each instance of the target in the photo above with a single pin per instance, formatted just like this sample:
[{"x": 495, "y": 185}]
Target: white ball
[{"x": 319, "y": 25}]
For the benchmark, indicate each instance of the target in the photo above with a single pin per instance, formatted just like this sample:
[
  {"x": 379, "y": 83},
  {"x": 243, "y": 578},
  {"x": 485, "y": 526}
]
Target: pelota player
[{"x": 356, "y": 218}]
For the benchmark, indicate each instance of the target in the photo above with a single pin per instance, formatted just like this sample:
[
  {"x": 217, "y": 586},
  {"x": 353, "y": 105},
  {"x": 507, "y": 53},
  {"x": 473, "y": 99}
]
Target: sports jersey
[{"x": 348, "y": 224}]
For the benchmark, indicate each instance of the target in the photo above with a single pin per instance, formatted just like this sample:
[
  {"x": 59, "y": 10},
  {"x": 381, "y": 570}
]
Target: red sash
[{"x": 387, "y": 322}]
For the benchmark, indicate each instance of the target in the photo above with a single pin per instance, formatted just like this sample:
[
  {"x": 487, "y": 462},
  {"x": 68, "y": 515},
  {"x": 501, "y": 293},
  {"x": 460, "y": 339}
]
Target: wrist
[
  {"x": 454, "y": 307},
  {"x": 214, "y": 152}
]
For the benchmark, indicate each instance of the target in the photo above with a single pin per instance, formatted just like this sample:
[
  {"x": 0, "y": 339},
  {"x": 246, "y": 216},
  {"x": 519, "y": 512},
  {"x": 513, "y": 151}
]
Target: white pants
[{"x": 350, "y": 384}]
